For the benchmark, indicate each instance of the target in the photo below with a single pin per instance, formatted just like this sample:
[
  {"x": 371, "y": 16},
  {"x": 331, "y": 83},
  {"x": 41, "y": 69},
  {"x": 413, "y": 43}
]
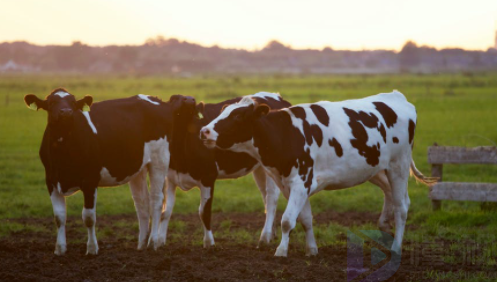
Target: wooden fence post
[{"x": 436, "y": 171}]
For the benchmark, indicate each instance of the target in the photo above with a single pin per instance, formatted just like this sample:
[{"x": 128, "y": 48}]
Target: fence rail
[
  {"x": 462, "y": 155},
  {"x": 460, "y": 191}
]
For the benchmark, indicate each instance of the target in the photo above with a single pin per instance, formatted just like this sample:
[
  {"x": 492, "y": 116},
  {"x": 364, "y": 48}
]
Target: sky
[{"x": 251, "y": 24}]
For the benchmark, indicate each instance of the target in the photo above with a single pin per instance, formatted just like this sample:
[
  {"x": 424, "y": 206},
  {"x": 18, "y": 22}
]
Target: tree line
[{"x": 171, "y": 56}]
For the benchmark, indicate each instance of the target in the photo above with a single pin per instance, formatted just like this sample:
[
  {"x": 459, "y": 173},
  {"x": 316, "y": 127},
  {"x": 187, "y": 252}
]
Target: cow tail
[{"x": 426, "y": 180}]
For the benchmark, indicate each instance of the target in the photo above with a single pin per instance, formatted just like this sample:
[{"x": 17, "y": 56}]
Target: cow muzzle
[
  {"x": 189, "y": 104},
  {"x": 62, "y": 116},
  {"x": 208, "y": 138}
]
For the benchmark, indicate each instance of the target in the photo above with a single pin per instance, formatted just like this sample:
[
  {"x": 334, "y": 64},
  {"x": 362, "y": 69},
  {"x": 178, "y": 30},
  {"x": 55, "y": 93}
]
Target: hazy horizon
[
  {"x": 314, "y": 24},
  {"x": 241, "y": 48}
]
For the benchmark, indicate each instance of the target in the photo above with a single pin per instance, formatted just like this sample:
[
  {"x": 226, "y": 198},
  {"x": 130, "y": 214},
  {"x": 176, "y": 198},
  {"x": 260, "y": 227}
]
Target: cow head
[
  {"x": 183, "y": 106},
  {"x": 60, "y": 105},
  {"x": 234, "y": 125},
  {"x": 184, "y": 112}
]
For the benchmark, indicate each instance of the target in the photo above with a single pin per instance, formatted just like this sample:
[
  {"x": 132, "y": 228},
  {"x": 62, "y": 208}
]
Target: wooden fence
[{"x": 460, "y": 191}]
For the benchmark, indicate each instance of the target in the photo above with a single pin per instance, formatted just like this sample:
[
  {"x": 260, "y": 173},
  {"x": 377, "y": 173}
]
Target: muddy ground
[{"x": 28, "y": 255}]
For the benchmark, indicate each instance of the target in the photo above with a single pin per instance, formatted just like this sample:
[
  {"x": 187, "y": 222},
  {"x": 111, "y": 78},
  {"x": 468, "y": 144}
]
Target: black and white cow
[
  {"x": 326, "y": 146},
  {"x": 118, "y": 141},
  {"x": 194, "y": 165}
]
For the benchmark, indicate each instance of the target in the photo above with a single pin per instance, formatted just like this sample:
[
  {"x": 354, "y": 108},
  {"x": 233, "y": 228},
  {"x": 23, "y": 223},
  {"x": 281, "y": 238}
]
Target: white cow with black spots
[{"x": 326, "y": 146}]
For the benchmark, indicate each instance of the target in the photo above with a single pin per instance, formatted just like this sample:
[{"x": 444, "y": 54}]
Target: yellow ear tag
[
  {"x": 33, "y": 107},
  {"x": 200, "y": 115},
  {"x": 86, "y": 108}
]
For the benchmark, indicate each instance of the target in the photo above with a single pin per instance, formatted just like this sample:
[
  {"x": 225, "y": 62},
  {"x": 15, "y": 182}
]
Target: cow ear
[
  {"x": 261, "y": 110},
  {"x": 200, "y": 109},
  {"x": 87, "y": 100},
  {"x": 173, "y": 97},
  {"x": 34, "y": 102}
]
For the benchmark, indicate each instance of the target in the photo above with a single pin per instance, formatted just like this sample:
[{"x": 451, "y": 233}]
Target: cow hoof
[
  {"x": 265, "y": 239},
  {"x": 311, "y": 252},
  {"x": 397, "y": 252},
  {"x": 262, "y": 245},
  {"x": 280, "y": 252},
  {"x": 92, "y": 250},
  {"x": 153, "y": 243},
  {"x": 161, "y": 241},
  {"x": 60, "y": 250},
  {"x": 386, "y": 227},
  {"x": 208, "y": 243},
  {"x": 397, "y": 249},
  {"x": 141, "y": 246}
]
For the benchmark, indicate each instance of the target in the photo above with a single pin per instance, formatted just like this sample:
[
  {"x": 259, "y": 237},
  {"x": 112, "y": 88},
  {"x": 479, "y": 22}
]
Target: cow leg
[
  {"x": 206, "y": 196},
  {"x": 273, "y": 193},
  {"x": 298, "y": 197},
  {"x": 270, "y": 194},
  {"x": 139, "y": 191},
  {"x": 386, "y": 216},
  {"x": 59, "y": 211},
  {"x": 167, "y": 208},
  {"x": 305, "y": 218},
  {"x": 157, "y": 184},
  {"x": 398, "y": 175},
  {"x": 90, "y": 218}
]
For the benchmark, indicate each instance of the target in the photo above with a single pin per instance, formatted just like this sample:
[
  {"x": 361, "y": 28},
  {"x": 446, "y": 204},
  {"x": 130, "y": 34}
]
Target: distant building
[
  {"x": 9, "y": 66},
  {"x": 12, "y": 66}
]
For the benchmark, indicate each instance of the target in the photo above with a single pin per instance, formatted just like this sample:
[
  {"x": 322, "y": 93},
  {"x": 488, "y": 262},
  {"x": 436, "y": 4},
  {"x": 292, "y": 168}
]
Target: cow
[
  {"x": 116, "y": 142},
  {"x": 194, "y": 165},
  {"x": 326, "y": 146}
]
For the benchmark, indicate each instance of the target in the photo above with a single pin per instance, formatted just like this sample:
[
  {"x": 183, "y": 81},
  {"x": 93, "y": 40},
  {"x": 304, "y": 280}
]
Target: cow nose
[
  {"x": 189, "y": 100},
  {"x": 65, "y": 112},
  {"x": 204, "y": 133}
]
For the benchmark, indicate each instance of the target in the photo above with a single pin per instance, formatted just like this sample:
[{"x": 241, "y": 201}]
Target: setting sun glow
[{"x": 355, "y": 25}]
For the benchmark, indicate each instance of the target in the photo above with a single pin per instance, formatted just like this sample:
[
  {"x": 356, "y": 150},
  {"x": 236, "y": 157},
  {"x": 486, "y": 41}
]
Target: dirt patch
[{"x": 28, "y": 256}]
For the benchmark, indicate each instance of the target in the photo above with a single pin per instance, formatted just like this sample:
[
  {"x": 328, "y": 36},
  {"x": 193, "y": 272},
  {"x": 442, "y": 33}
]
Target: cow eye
[{"x": 238, "y": 117}]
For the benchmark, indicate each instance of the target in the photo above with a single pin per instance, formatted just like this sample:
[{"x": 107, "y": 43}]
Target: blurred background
[{"x": 260, "y": 37}]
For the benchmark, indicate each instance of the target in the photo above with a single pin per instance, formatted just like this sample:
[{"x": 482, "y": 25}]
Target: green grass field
[{"x": 456, "y": 110}]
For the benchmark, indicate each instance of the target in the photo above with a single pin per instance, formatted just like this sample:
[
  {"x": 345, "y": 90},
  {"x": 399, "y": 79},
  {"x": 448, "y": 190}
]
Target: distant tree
[
  {"x": 172, "y": 41},
  {"x": 74, "y": 57},
  {"x": 409, "y": 56},
  {"x": 327, "y": 49},
  {"x": 126, "y": 58},
  {"x": 274, "y": 45},
  {"x": 156, "y": 41},
  {"x": 128, "y": 54},
  {"x": 4, "y": 53},
  {"x": 20, "y": 52},
  {"x": 161, "y": 55},
  {"x": 160, "y": 40}
]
